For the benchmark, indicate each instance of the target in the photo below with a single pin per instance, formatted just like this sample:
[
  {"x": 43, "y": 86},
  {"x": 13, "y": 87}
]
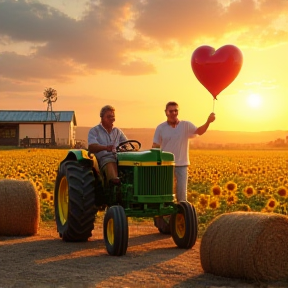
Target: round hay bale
[
  {"x": 19, "y": 208},
  {"x": 247, "y": 245}
]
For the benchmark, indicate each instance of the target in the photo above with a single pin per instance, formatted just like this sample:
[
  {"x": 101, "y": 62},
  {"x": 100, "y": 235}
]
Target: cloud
[
  {"x": 186, "y": 21},
  {"x": 117, "y": 36},
  {"x": 32, "y": 67},
  {"x": 95, "y": 41}
]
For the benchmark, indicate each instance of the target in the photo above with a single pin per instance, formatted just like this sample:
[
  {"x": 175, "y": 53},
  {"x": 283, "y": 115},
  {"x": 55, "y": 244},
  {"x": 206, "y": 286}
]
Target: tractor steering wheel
[{"x": 128, "y": 146}]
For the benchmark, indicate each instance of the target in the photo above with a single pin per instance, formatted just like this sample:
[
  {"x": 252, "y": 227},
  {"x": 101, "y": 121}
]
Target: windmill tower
[{"x": 50, "y": 96}]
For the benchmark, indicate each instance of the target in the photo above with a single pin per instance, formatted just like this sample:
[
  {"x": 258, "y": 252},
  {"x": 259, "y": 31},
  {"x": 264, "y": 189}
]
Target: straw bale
[
  {"x": 19, "y": 208},
  {"x": 249, "y": 245}
]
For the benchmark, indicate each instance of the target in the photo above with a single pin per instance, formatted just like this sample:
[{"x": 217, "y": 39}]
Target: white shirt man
[{"x": 173, "y": 136}]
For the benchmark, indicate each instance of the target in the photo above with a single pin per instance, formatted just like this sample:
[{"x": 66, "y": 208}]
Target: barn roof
[{"x": 28, "y": 116}]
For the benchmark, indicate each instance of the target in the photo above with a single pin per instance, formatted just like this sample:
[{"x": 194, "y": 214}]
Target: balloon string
[{"x": 213, "y": 104}]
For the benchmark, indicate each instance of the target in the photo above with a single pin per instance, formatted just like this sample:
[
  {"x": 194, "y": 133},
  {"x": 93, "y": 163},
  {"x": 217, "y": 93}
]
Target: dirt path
[{"x": 152, "y": 260}]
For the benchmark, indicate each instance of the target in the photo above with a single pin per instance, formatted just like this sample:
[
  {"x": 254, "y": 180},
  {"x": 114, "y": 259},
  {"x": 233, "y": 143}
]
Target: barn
[{"x": 37, "y": 128}]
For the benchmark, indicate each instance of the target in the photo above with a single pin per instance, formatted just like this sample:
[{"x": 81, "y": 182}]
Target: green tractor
[{"x": 146, "y": 190}]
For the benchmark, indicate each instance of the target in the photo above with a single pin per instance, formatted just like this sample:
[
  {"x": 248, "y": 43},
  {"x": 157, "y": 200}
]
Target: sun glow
[{"x": 254, "y": 101}]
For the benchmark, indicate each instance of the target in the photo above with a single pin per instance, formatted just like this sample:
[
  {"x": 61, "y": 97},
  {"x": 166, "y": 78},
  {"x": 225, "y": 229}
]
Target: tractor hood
[{"x": 152, "y": 157}]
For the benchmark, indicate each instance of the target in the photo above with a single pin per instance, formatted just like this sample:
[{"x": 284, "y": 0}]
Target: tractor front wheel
[
  {"x": 115, "y": 230},
  {"x": 184, "y": 225}
]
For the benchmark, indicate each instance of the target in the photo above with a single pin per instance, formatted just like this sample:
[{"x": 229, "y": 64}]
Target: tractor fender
[{"x": 82, "y": 156}]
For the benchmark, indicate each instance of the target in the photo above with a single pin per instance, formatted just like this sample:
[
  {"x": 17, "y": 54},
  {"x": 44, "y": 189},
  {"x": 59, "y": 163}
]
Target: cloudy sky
[{"x": 136, "y": 56}]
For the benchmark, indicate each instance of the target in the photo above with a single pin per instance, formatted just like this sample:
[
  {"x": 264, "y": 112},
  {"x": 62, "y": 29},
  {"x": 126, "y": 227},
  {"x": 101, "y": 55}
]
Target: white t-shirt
[{"x": 175, "y": 140}]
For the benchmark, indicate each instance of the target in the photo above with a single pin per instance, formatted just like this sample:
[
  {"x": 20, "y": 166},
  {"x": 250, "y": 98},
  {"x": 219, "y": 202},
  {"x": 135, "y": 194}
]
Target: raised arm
[{"x": 202, "y": 129}]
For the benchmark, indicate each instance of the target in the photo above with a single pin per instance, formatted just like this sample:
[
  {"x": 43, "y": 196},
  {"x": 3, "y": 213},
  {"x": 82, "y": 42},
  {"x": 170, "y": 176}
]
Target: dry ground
[{"x": 152, "y": 260}]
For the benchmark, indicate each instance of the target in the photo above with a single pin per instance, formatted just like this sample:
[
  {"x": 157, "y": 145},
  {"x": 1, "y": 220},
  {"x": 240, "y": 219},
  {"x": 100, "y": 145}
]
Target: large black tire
[
  {"x": 74, "y": 201},
  {"x": 115, "y": 230},
  {"x": 184, "y": 225}
]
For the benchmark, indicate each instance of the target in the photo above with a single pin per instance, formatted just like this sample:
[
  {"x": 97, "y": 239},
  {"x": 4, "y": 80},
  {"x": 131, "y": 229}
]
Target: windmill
[{"x": 50, "y": 96}]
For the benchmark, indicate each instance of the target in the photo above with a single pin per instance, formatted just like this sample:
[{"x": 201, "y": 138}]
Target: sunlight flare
[{"x": 254, "y": 101}]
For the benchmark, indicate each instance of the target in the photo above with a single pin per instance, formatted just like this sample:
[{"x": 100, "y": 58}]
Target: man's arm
[
  {"x": 95, "y": 148},
  {"x": 157, "y": 137},
  {"x": 202, "y": 129}
]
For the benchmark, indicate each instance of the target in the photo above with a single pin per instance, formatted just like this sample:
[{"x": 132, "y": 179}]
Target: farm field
[{"x": 219, "y": 180}]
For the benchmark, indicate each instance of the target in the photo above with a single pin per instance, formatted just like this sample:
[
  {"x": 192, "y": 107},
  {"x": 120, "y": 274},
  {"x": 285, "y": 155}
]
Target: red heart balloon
[{"x": 216, "y": 70}]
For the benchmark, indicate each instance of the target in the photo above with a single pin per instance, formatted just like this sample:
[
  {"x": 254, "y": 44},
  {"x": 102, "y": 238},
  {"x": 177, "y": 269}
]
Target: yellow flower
[
  {"x": 271, "y": 204},
  {"x": 231, "y": 199},
  {"x": 214, "y": 204},
  {"x": 244, "y": 207},
  {"x": 203, "y": 200},
  {"x": 44, "y": 195},
  {"x": 216, "y": 190},
  {"x": 249, "y": 191},
  {"x": 231, "y": 186},
  {"x": 282, "y": 191}
]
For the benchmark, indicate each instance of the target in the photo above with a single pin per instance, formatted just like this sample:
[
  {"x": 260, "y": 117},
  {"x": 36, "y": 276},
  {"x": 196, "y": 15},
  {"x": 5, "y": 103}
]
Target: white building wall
[
  {"x": 62, "y": 133},
  {"x": 32, "y": 131}
]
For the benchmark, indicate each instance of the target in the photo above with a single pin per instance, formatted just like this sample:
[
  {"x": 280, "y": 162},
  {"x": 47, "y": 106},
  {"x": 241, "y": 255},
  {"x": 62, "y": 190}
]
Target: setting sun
[{"x": 254, "y": 101}]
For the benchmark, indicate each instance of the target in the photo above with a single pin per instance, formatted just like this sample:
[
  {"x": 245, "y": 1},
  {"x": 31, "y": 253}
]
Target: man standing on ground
[{"x": 173, "y": 136}]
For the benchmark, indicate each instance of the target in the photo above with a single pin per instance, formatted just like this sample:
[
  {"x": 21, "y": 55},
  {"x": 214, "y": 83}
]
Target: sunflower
[
  {"x": 280, "y": 179},
  {"x": 44, "y": 195},
  {"x": 231, "y": 199},
  {"x": 261, "y": 191},
  {"x": 282, "y": 191},
  {"x": 231, "y": 186},
  {"x": 216, "y": 190},
  {"x": 192, "y": 195},
  {"x": 244, "y": 207},
  {"x": 249, "y": 191},
  {"x": 203, "y": 201},
  {"x": 214, "y": 204},
  {"x": 271, "y": 204}
]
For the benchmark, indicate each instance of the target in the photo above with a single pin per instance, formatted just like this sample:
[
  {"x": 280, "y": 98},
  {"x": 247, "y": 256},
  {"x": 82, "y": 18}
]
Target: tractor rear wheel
[
  {"x": 75, "y": 201},
  {"x": 184, "y": 225},
  {"x": 115, "y": 230}
]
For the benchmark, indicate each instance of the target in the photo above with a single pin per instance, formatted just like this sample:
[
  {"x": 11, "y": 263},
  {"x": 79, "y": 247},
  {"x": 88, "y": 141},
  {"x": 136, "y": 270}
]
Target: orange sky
[{"x": 135, "y": 55}]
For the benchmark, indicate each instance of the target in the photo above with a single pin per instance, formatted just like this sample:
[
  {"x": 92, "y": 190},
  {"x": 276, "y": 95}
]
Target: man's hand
[
  {"x": 211, "y": 118},
  {"x": 202, "y": 129},
  {"x": 109, "y": 148}
]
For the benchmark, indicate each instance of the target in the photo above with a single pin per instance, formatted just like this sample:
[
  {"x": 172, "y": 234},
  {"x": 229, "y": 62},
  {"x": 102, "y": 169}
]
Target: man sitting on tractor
[{"x": 103, "y": 140}]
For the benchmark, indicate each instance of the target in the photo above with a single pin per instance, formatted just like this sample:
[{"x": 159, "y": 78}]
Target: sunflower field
[
  {"x": 237, "y": 180},
  {"x": 38, "y": 166},
  {"x": 219, "y": 181}
]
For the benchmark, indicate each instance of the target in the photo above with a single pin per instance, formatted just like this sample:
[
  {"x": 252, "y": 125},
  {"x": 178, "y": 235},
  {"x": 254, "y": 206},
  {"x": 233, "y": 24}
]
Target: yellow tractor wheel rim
[
  {"x": 110, "y": 231},
  {"x": 63, "y": 198},
  {"x": 180, "y": 225}
]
